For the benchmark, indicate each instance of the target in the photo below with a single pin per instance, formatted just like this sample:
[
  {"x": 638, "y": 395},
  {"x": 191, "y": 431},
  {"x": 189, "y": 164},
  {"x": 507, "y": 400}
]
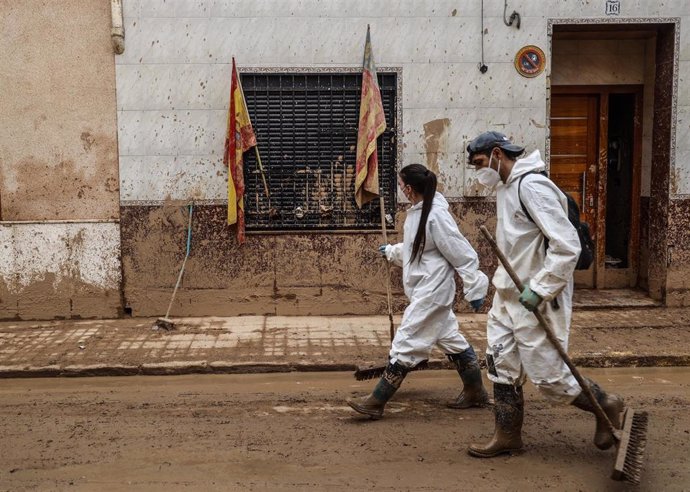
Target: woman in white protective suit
[
  {"x": 531, "y": 211},
  {"x": 433, "y": 249}
]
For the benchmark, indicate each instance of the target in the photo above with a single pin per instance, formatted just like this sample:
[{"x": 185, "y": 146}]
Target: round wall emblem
[{"x": 530, "y": 61}]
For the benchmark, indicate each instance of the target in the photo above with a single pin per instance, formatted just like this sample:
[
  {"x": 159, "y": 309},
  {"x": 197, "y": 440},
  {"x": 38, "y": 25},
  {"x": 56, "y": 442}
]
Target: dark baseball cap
[{"x": 489, "y": 140}]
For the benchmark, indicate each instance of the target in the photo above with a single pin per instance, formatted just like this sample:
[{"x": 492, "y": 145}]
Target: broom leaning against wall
[{"x": 166, "y": 323}]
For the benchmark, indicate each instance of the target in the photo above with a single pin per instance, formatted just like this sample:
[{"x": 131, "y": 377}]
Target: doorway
[
  {"x": 596, "y": 135},
  {"x": 595, "y": 58}
]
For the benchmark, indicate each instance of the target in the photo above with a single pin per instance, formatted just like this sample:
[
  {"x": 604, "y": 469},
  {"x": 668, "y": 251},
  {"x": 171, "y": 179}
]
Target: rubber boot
[
  {"x": 509, "y": 407},
  {"x": 612, "y": 405},
  {"x": 473, "y": 392},
  {"x": 389, "y": 383}
]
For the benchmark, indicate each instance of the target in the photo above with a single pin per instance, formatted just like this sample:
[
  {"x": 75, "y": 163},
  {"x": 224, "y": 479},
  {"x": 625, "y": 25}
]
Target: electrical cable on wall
[
  {"x": 514, "y": 17},
  {"x": 482, "y": 67}
]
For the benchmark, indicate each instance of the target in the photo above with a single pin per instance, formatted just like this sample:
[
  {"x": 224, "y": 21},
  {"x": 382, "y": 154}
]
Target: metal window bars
[{"x": 306, "y": 129}]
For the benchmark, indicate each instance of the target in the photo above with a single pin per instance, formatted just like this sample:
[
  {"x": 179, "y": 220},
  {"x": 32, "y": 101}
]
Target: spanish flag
[
  {"x": 238, "y": 139},
  {"x": 372, "y": 123}
]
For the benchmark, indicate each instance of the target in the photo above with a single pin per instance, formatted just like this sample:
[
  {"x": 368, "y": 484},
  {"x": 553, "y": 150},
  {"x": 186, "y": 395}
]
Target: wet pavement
[{"x": 650, "y": 336}]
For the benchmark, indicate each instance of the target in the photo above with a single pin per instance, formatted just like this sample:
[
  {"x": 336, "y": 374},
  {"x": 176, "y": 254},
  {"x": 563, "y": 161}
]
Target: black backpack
[{"x": 587, "y": 253}]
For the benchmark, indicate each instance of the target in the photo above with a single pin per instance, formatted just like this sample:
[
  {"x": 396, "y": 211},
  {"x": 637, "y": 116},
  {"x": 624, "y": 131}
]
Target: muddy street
[{"x": 294, "y": 432}]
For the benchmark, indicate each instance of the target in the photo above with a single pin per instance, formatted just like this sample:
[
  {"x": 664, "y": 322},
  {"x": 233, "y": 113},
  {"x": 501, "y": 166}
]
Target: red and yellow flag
[
  {"x": 238, "y": 139},
  {"x": 372, "y": 123}
]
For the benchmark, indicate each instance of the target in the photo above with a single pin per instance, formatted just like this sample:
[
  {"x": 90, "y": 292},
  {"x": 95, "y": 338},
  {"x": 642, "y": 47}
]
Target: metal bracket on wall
[
  {"x": 514, "y": 17},
  {"x": 117, "y": 32}
]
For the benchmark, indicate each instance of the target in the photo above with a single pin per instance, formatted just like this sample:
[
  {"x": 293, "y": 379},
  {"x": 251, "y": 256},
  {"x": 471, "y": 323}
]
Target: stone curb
[{"x": 225, "y": 367}]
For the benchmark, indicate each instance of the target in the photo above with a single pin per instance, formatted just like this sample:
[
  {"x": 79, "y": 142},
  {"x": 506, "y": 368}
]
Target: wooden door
[{"x": 574, "y": 159}]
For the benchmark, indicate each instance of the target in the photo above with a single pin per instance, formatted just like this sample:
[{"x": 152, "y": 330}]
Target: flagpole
[
  {"x": 391, "y": 327},
  {"x": 258, "y": 157},
  {"x": 373, "y": 104},
  {"x": 263, "y": 177}
]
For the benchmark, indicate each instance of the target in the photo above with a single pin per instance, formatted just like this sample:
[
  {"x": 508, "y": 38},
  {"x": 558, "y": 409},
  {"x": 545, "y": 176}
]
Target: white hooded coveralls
[
  {"x": 429, "y": 284},
  {"x": 516, "y": 344}
]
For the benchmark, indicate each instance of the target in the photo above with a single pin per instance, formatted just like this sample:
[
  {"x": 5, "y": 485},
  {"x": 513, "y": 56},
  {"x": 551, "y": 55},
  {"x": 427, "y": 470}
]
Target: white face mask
[{"x": 489, "y": 177}]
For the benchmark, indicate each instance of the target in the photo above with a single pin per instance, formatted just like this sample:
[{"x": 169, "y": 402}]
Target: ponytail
[{"x": 422, "y": 181}]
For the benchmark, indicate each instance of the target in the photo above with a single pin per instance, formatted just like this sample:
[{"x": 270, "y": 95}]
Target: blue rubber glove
[
  {"x": 477, "y": 304},
  {"x": 530, "y": 299},
  {"x": 382, "y": 250}
]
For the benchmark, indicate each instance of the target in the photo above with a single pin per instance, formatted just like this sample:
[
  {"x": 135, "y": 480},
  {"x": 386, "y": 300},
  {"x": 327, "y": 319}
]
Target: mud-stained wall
[
  {"x": 173, "y": 85},
  {"x": 678, "y": 272},
  {"x": 643, "y": 271},
  {"x": 59, "y": 271},
  {"x": 172, "y": 96},
  {"x": 659, "y": 203},
  {"x": 608, "y": 61},
  {"x": 678, "y": 280},
  {"x": 58, "y": 139},
  {"x": 59, "y": 183},
  {"x": 270, "y": 274}
]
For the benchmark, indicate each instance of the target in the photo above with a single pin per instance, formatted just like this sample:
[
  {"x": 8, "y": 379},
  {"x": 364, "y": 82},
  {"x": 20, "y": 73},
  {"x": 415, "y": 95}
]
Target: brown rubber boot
[
  {"x": 612, "y": 405},
  {"x": 389, "y": 383},
  {"x": 473, "y": 392},
  {"x": 509, "y": 406}
]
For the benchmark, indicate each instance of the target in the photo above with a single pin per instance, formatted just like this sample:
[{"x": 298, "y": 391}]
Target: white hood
[
  {"x": 439, "y": 202},
  {"x": 531, "y": 163},
  {"x": 445, "y": 250},
  {"x": 522, "y": 240}
]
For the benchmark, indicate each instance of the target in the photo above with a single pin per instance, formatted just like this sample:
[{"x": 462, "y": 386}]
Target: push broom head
[
  {"x": 365, "y": 373},
  {"x": 631, "y": 447},
  {"x": 164, "y": 324}
]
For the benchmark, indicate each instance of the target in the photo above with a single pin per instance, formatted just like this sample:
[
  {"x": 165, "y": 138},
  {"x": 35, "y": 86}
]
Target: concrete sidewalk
[{"x": 600, "y": 338}]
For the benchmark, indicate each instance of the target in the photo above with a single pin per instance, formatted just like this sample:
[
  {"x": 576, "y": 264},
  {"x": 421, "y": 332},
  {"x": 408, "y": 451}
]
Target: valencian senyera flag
[
  {"x": 372, "y": 123},
  {"x": 238, "y": 139}
]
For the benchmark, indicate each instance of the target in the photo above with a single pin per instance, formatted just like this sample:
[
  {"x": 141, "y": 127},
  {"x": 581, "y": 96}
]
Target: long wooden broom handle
[
  {"x": 189, "y": 245},
  {"x": 598, "y": 411},
  {"x": 388, "y": 267}
]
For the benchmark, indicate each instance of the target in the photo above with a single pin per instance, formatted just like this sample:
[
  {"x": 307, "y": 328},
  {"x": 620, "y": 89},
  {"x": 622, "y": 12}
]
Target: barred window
[{"x": 306, "y": 130}]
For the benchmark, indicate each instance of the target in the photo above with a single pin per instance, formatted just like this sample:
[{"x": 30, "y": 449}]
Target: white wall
[
  {"x": 680, "y": 185},
  {"x": 173, "y": 79},
  {"x": 88, "y": 252},
  {"x": 65, "y": 269}
]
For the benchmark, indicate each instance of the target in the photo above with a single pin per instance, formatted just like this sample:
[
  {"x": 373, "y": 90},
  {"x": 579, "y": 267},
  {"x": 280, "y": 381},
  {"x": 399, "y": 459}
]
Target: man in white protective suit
[{"x": 543, "y": 247}]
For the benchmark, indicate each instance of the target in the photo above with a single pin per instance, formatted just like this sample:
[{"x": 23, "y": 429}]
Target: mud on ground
[{"x": 293, "y": 432}]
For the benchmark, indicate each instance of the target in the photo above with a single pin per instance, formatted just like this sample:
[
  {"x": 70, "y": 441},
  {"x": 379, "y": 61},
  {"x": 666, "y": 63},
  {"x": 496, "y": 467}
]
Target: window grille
[{"x": 306, "y": 129}]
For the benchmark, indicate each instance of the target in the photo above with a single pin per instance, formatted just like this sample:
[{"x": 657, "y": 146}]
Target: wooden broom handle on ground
[
  {"x": 388, "y": 267},
  {"x": 598, "y": 411}
]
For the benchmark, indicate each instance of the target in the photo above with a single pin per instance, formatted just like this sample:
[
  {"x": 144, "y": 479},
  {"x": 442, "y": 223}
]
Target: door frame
[{"x": 603, "y": 91}]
